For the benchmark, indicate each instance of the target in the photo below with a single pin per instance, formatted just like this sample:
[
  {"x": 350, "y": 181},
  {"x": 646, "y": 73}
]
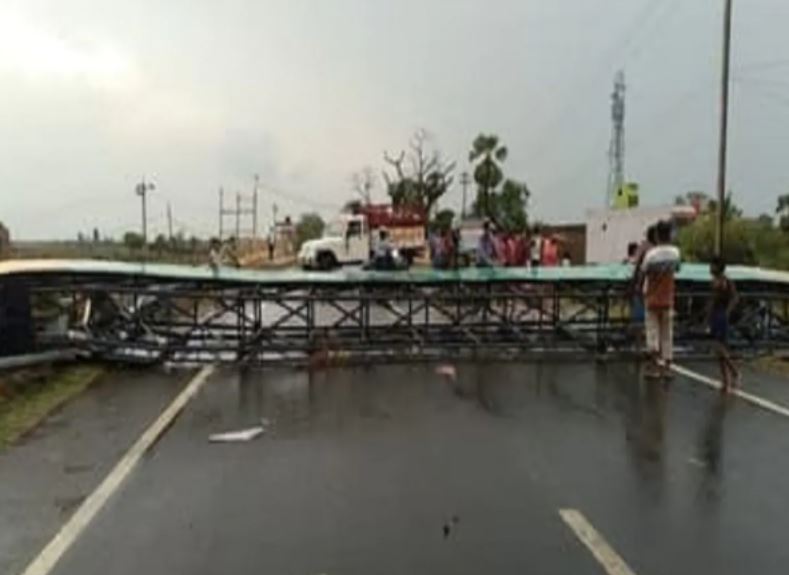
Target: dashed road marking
[
  {"x": 601, "y": 550},
  {"x": 78, "y": 522},
  {"x": 765, "y": 404}
]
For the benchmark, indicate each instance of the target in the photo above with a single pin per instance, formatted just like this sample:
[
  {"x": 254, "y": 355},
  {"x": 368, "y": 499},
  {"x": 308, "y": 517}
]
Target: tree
[
  {"x": 309, "y": 227},
  {"x": 697, "y": 241},
  {"x": 96, "y": 237},
  {"x": 352, "y": 207},
  {"x": 511, "y": 206},
  {"x": 730, "y": 209},
  {"x": 487, "y": 155},
  {"x": 133, "y": 240},
  {"x": 363, "y": 183},
  {"x": 160, "y": 243},
  {"x": 419, "y": 177},
  {"x": 782, "y": 210},
  {"x": 443, "y": 219}
]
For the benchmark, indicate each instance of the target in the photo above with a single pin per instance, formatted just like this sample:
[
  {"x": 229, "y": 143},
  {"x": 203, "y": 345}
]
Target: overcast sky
[{"x": 195, "y": 94}]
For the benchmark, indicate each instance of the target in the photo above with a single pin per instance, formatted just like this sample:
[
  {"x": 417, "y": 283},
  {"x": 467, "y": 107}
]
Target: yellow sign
[{"x": 626, "y": 196}]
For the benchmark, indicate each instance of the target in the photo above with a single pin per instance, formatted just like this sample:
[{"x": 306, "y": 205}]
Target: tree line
[{"x": 746, "y": 240}]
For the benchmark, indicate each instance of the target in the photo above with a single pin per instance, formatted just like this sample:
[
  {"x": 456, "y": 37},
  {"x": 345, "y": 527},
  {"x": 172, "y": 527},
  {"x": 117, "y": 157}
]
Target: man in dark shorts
[{"x": 724, "y": 300}]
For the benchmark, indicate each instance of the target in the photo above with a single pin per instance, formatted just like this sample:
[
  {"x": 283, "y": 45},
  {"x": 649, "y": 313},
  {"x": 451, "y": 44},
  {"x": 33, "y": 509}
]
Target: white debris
[{"x": 237, "y": 436}]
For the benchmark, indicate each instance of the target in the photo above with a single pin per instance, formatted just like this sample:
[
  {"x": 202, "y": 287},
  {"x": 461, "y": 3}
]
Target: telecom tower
[{"x": 616, "y": 151}]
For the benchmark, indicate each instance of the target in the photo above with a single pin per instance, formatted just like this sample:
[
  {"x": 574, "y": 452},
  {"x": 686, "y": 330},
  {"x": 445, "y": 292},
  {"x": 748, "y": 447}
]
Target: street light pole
[{"x": 724, "y": 128}]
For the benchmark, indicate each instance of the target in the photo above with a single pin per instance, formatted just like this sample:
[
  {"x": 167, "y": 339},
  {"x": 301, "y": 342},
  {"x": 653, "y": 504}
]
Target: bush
[{"x": 745, "y": 242}]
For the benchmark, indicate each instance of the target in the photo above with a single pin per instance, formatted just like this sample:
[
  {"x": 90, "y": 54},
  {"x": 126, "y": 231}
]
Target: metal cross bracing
[{"x": 180, "y": 321}]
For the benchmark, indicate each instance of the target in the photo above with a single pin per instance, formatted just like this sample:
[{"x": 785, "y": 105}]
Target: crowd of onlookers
[
  {"x": 655, "y": 262},
  {"x": 499, "y": 249}
]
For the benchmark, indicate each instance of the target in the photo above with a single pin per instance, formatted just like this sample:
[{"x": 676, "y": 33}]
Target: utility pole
[
  {"x": 221, "y": 211},
  {"x": 238, "y": 215},
  {"x": 255, "y": 208},
  {"x": 142, "y": 190},
  {"x": 464, "y": 182},
  {"x": 724, "y": 127},
  {"x": 246, "y": 206},
  {"x": 616, "y": 150},
  {"x": 169, "y": 222}
]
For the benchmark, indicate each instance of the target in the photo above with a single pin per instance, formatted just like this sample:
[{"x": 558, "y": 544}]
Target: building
[{"x": 608, "y": 232}]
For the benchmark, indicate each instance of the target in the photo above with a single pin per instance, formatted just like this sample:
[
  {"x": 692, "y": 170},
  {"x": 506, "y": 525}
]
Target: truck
[{"x": 351, "y": 237}]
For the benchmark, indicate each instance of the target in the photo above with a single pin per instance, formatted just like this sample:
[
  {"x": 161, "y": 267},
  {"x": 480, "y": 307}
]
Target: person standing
[
  {"x": 215, "y": 254},
  {"x": 535, "y": 248},
  {"x": 636, "y": 287},
  {"x": 449, "y": 249},
  {"x": 486, "y": 248},
  {"x": 520, "y": 251},
  {"x": 632, "y": 254},
  {"x": 724, "y": 300},
  {"x": 659, "y": 267},
  {"x": 270, "y": 246},
  {"x": 437, "y": 252},
  {"x": 550, "y": 253}
]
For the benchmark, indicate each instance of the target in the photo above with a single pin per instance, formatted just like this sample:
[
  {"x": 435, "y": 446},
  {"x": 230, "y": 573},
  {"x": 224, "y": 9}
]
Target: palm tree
[{"x": 487, "y": 154}]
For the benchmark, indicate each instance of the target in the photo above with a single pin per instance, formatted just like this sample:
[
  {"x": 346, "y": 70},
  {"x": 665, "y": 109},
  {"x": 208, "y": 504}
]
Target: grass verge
[{"x": 27, "y": 397}]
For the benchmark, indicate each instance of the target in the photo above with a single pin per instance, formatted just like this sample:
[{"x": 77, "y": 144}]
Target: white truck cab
[{"x": 346, "y": 240}]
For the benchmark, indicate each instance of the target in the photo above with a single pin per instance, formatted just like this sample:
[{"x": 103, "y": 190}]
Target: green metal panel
[{"x": 602, "y": 273}]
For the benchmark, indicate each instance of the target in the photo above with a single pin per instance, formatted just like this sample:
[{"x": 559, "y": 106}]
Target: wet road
[
  {"x": 47, "y": 474},
  {"x": 363, "y": 466}
]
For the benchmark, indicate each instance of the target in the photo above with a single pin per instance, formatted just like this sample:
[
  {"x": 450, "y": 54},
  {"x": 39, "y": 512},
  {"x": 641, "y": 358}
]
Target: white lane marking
[
  {"x": 73, "y": 528},
  {"x": 609, "y": 559},
  {"x": 744, "y": 395}
]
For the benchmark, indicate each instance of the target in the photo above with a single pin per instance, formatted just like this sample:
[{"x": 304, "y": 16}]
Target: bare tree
[
  {"x": 420, "y": 176},
  {"x": 363, "y": 183}
]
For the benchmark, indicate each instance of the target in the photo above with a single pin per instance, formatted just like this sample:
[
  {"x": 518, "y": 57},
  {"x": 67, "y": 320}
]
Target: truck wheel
[{"x": 326, "y": 261}]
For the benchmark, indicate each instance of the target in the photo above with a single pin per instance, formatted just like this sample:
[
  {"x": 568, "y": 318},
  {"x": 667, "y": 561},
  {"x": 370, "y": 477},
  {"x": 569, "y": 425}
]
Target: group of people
[
  {"x": 499, "y": 249},
  {"x": 223, "y": 253},
  {"x": 656, "y": 261},
  {"x": 519, "y": 249}
]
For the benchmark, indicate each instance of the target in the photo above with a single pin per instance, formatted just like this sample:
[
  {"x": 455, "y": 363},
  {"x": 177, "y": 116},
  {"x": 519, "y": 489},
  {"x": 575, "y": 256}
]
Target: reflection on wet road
[{"x": 361, "y": 469}]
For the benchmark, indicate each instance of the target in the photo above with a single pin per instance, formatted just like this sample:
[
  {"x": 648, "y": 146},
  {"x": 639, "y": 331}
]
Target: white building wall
[{"x": 608, "y": 232}]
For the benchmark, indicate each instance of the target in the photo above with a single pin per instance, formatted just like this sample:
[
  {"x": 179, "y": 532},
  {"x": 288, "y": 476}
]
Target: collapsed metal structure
[{"x": 300, "y": 317}]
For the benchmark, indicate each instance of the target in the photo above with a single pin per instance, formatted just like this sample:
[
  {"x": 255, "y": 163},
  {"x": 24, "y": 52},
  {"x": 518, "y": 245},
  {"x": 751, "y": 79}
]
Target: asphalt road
[
  {"x": 362, "y": 467},
  {"x": 50, "y": 471}
]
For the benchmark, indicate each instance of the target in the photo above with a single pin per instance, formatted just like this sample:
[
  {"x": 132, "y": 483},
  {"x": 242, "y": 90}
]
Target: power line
[
  {"x": 762, "y": 66},
  {"x": 298, "y": 198},
  {"x": 608, "y": 57}
]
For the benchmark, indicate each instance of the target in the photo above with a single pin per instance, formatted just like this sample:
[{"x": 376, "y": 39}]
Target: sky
[{"x": 195, "y": 95}]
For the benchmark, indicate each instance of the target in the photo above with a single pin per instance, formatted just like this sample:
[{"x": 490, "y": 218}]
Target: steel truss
[{"x": 179, "y": 321}]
